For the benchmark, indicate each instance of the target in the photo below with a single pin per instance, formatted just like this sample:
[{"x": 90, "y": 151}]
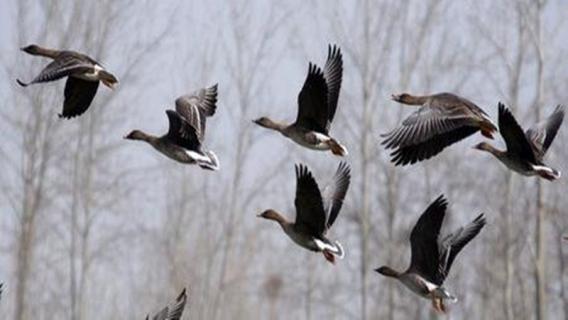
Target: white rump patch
[{"x": 337, "y": 250}]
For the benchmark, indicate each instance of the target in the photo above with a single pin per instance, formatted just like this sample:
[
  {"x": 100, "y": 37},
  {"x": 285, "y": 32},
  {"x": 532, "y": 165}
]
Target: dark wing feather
[
  {"x": 334, "y": 193},
  {"x": 424, "y": 124},
  {"x": 514, "y": 136},
  {"x": 309, "y": 205},
  {"x": 79, "y": 94},
  {"x": 181, "y": 133},
  {"x": 425, "y": 258},
  {"x": 312, "y": 102},
  {"x": 174, "y": 311},
  {"x": 425, "y": 150},
  {"x": 333, "y": 72},
  {"x": 453, "y": 243},
  {"x": 64, "y": 65},
  {"x": 196, "y": 107},
  {"x": 541, "y": 135}
]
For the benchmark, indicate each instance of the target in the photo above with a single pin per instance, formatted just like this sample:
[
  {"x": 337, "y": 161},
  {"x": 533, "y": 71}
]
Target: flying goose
[
  {"x": 525, "y": 151},
  {"x": 174, "y": 311},
  {"x": 315, "y": 211},
  {"x": 432, "y": 256},
  {"x": 83, "y": 76},
  {"x": 442, "y": 120},
  {"x": 183, "y": 142},
  {"x": 317, "y": 103}
]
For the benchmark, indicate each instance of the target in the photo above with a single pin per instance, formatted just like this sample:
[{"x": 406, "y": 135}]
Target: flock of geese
[{"x": 441, "y": 120}]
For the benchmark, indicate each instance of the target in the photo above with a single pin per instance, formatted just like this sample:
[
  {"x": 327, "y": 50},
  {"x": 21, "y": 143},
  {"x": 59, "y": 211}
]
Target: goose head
[
  {"x": 264, "y": 122},
  {"x": 136, "y": 135},
  {"x": 484, "y": 146},
  {"x": 272, "y": 215},
  {"x": 388, "y": 272},
  {"x": 31, "y": 49},
  {"x": 403, "y": 97}
]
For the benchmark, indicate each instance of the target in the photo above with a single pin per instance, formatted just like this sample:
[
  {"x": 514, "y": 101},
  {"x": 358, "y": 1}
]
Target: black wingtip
[
  {"x": 302, "y": 171},
  {"x": 66, "y": 117},
  {"x": 480, "y": 219},
  {"x": 182, "y": 295},
  {"x": 214, "y": 87},
  {"x": 502, "y": 107},
  {"x": 21, "y": 83},
  {"x": 333, "y": 50},
  {"x": 441, "y": 201}
]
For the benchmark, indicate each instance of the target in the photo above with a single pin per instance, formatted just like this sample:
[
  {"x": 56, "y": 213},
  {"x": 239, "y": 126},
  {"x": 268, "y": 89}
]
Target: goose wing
[
  {"x": 514, "y": 136},
  {"x": 453, "y": 243},
  {"x": 181, "y": 133},
  {"x": 67, "y": 63},
  {"x": 333, "y": 72},
  {"x": 425, "y": 258},
  {"x": 79, "y": 94},
  {"x": 426, "y": 123},
  {"x": 313, "y": 102},
  {"x": 542, "y": 134},
  {"x": 310, "y": 213},
  {"x": 196, "y": 107},
  {"x": 174, "y": 311},
  {"x": 425, "y": 150},
  {"x": 334, "y": 193}
]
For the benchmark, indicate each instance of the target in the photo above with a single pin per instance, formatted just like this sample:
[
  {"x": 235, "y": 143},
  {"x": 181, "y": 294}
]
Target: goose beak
[{"x": 395, "y": 97}]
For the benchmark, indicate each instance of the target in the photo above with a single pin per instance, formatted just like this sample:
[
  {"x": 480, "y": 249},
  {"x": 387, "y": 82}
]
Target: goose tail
[{"x": 337, "y": 148}]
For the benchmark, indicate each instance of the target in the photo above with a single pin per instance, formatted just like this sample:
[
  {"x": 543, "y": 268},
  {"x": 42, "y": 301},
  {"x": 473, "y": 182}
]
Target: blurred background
[{"x": 96, "y": 227}]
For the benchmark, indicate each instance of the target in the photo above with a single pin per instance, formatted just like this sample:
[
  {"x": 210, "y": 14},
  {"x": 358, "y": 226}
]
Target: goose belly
[
  {"x": 418, "y": 285},
  {"x": 302, "y": 240},
  {"x": 311, "y": 140},
  {"x": 523, "y": 168},
  {"x": 175, "y": 153}
]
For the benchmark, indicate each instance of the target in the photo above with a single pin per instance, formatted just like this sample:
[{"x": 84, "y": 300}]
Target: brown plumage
[
  {"x": 432, "y": 256},
  {"x": 442, "y": 120},
  {"x": 83, "y": 75},
  {"x": 317, "y": 104},
  {"x": 184, "y": 140},
  {"x": 316, "y": 211},
  {"x": 526, "y": 150}
]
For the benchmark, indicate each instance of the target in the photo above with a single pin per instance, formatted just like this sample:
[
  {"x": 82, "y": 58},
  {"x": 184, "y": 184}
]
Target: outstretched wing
[
  {"x": 542, "y": 134},
  {"x": 196, "y": 107},
  {"x": 425, "y": 258},
  {"x": 79, "y": 94},
  {"x": 333, "y": 72},
  {"x": 64, "y": 65},
  {"x": 453, "y": 243},
  {"x": 313, "y": 102},
  {"x": 309, "y": 205},
  {"x": 513, "y": 135},
  {"x": 334, "y": 193}
]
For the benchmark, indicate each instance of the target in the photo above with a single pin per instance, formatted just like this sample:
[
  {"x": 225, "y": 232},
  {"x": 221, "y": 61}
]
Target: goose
[
  {"x": 442, "y": 120},
  {"x": 315, "y": 212},
  {"x": 317, "y": 103},
  {"x": 183, "y": 142},
  {"x": 174, "y": 311},
  {"x": 83, "y": 76},
  {"x": 432, "y": 256},
  {"x": 525, "y": 151}
]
